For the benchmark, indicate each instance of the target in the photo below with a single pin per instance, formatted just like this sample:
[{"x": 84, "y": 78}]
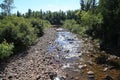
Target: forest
[{"x": 97, "y": 20}]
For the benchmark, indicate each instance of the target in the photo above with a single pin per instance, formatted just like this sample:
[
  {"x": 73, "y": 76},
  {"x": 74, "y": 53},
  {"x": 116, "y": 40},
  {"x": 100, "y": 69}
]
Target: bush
[
  {"x": 74, "y": 27},
  {"x": 69, "y": 24},
  {"x": 39, "y": 25},
  {"x": 17, "y": 30},
  {"x": 6, "y": 49}
]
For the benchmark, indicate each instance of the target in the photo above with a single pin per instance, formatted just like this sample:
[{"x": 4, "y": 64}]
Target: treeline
[
  {"x": 99, "y": 20},
  {"x": 18, "y": 32},
  {"x": 55, "y": 18}
]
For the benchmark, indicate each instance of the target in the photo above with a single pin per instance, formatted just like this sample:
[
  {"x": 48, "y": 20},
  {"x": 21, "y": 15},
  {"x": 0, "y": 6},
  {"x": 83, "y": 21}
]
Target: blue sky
[{"x": 53, "y": 5}]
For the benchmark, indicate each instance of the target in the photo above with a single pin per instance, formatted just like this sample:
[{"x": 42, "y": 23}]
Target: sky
[{"x": 52, "y": 5}]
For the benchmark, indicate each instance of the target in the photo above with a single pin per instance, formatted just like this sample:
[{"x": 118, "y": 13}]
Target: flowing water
[{"x": 67, "y": 51}]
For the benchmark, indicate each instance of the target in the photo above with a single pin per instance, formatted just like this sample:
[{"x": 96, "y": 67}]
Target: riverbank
[
  {"x": 41, "y": 62},
  {"x": 101, "y": 63},
  {"x": 33, "y": 64}
]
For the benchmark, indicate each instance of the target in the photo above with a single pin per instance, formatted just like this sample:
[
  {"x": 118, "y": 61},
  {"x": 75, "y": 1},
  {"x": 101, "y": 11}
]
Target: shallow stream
[{"x": 67, "y": 51}]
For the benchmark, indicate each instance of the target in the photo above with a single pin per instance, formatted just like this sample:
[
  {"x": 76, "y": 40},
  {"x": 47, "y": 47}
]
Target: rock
[
  {"x": 82, "y": 66},
  {"x": 59, "y": 78},
  {"x": 108, "y": 78},
  {"x": 38, "y": 77},
  {"x": 52, "y": 75},
  {"x": 71, "y": 42},
  {"x": 76, "y": 78},
  {"x": 105, "y": 69},
  {"x": 36, "y": 51},
  {"x": 90, "y": 75},
  {"x": 50, "y": 42},
  {"x": 90, "y": 62}
]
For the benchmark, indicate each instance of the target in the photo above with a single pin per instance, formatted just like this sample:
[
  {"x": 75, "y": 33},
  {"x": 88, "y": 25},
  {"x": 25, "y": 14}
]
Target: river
[{"x": 67, "y": 52}]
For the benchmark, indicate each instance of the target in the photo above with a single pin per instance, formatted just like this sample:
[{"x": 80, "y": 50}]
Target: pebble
[
  {"x": 82, "y": 66},
  {"x": 105, "y": 69},
  {"x": 90, "y": 73}
]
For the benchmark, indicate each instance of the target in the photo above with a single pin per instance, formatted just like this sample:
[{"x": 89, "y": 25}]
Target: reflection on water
[{"x": 68, "y": 48}]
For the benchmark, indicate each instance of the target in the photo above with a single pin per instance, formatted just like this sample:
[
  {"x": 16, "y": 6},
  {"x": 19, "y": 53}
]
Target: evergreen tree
[
  {"x": 110, "y": 10},
  {"x": 82, "y": 4}
]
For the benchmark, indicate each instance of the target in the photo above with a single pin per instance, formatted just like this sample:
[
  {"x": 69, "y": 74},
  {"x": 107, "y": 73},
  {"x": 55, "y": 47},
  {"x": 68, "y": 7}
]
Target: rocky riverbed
[{"x": 57, "y": 54}]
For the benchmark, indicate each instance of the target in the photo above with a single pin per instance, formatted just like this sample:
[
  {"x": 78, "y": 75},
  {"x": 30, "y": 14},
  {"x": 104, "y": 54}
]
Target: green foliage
[
  {"x": 69, "y": 24},
  {"x": 39, "y": 25},
  {"x": 6, "y": 49},
  {"x": 74, "y": 27},
  {"x": 90, "y": 19},
  {"x": 110, "y": 10},
  {"x": 20, "y": 31},
  {"x": 55, "y": 18},
  {"x": 88, "y": 4},
  {"x": 92, "y": 23},
  {"x": 17, "y": 30}
]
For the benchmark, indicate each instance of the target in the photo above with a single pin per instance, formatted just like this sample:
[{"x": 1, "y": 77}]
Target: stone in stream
[
  {"x": 90, "y": 75},
  {"x": 52, "y": 75},
  {"x": 59, "y": 78}
]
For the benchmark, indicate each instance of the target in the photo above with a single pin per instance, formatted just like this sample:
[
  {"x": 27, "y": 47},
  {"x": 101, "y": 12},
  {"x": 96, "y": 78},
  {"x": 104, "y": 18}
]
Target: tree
[
  {"x": 93, "y": 5},
  {"x": 29, "y": 13},
  {"x": 7, "y": 6},
  {"x": 82, "y": 4},
  {"x": 110, "y": 10},
  {"x": 87, "y": 4},
  {"x": 18, "y": 14}
]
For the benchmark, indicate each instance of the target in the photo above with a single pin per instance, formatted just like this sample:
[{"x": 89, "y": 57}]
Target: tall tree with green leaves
[
  {"x": 110, "y": 10},
  {"x": 7, "y": 6},
  {"x": 82, "y": 4},
  {"x": 87, "y": 4}
]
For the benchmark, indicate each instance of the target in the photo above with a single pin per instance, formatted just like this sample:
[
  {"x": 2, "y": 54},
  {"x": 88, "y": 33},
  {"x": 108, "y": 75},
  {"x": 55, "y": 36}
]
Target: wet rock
[
  {"x": 52, "y": 75},
  {"x": 71, "y": 42},
  {"x": 90, "y": 75},
  {"x": 82, "y": 66},
  {"x": 59, "y": 78},
  {"x": 50, "y": 42},
  {"x": 67, "y": 51},
  {"x": 108, "y": 78}
]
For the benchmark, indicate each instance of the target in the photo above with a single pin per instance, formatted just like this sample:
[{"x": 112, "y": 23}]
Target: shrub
[
  {"x": 6, "y": 49},
  {"x": 69, "y": 24},
  {"x": 39, "y": 25},
  {"x": 17, "y": 30},
  {"x": 74, "y": 27}
]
